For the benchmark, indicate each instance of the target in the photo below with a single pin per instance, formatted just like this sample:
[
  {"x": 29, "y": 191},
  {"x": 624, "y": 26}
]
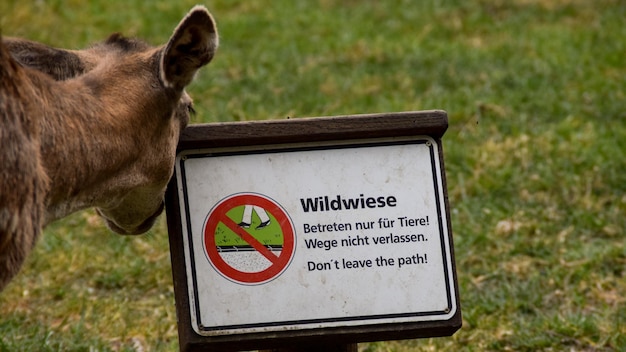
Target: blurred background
[{"x": 535, "y": 157}]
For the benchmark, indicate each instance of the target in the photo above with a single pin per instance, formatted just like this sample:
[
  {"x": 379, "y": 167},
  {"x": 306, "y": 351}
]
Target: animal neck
[{"x": 93, "y": 156}]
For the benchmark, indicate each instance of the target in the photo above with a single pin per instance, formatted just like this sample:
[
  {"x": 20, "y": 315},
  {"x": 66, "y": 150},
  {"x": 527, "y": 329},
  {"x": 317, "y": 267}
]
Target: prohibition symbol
[{"x": 247, "y": 249}]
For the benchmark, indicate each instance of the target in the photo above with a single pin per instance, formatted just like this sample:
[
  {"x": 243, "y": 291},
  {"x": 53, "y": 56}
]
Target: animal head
[{"x": 120, "y": 108}]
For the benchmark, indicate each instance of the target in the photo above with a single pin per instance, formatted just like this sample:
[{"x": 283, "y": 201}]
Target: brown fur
[{"x": 92, "y": 128}]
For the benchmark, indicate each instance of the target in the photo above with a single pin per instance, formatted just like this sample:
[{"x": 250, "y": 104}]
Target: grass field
[{"x": 535, "y": 158}]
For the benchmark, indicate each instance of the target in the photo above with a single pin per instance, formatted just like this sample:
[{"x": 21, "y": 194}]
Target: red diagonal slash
[{"x": 241, "y": 232}]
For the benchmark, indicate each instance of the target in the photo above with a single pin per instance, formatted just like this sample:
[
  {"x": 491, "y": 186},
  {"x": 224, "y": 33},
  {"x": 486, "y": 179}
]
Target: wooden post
[{"x": 352, "y": 347}]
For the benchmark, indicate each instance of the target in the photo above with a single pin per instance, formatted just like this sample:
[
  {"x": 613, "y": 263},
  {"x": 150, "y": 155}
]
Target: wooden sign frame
[{"x": 260, "y": 134}]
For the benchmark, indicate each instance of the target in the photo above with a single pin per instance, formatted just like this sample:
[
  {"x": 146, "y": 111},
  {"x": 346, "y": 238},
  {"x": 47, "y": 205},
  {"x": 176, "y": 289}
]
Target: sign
[
  {"x": 243, "y": 254},
  {"x": 346, "y": 236}
]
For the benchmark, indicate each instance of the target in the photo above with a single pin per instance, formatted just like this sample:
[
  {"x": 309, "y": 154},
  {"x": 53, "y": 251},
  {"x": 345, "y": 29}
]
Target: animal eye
[{"x": 191, "y": 110}]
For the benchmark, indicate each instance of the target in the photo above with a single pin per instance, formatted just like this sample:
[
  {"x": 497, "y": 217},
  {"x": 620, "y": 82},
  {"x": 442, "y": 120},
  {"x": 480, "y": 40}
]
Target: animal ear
[
  {"x": 192, "y": 46},
  {"x": 58, "y": 63}
]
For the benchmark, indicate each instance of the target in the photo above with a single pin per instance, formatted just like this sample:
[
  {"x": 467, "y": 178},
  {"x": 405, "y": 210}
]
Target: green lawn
[{"x": 535, "y": 158}]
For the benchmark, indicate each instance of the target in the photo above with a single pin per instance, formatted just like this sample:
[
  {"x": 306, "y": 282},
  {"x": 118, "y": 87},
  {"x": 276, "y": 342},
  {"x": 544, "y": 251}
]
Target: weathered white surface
[{"x": 392, "y": 282}]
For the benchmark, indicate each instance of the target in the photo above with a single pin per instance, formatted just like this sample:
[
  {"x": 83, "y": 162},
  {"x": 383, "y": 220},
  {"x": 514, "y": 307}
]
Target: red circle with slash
[{"x": 278, "y": 262}]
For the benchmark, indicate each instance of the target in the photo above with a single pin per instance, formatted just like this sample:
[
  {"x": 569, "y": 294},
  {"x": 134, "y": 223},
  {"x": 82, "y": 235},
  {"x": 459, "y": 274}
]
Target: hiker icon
[{"x": 246, "y": 219}]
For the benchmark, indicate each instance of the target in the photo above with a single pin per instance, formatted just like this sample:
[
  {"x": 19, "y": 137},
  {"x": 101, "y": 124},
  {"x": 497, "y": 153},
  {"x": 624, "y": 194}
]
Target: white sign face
[{"x": 315, "y": 236}]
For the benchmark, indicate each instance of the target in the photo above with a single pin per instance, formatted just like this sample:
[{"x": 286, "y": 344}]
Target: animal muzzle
[{"x": 143, "y": 227}]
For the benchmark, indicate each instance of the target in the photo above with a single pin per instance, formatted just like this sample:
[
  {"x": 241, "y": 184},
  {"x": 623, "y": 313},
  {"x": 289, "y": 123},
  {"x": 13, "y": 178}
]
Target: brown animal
[{"x": 92, "y": 128}]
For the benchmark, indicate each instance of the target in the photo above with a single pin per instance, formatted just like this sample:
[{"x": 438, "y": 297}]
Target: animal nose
[
  {"x": 149, "y": 222},
  {"x": 143, "y": 227}
]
